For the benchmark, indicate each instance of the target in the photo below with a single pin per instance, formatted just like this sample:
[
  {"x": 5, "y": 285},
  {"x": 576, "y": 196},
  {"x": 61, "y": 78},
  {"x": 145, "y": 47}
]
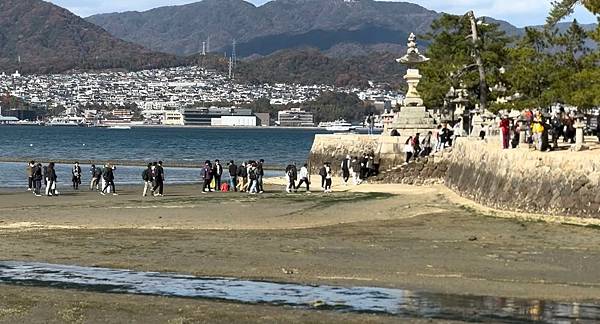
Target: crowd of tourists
[
  {"x": 434, "y": 141},
  {"x": 540, "y": 131}
]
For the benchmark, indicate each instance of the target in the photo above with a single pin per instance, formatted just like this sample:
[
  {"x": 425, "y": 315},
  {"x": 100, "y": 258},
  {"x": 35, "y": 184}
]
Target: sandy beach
[{"x": 417, "y": 238}]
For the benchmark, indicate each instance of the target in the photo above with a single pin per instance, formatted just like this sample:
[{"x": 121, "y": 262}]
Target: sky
[{"x": 518, "y": 12}]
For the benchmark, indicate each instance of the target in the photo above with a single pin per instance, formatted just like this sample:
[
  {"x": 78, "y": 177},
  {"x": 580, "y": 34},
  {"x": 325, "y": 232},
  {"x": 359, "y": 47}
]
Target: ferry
[
  {"x": 339, "y": 125},
  {"x": 67, "y": 121},
  {"x": 119, "y": 127}
]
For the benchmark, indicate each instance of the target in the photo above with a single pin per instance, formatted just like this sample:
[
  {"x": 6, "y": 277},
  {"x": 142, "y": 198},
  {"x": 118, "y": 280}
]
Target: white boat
[
  {"x": 339, "y": 125},
  {"x": 119, "y": 127},
  {"x": 66, "y": 121}
]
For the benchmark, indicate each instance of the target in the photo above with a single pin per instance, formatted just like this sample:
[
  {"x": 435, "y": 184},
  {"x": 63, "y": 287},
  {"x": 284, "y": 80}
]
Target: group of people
[
  {"x": 247, "y": 177},
  {"x": 154, "y": 179},
  {"x": 541, "y": 132},
  {"x": 38, "y": 175}
]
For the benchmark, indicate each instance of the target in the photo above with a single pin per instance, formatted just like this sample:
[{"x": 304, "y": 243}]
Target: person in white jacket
[{"x": 304, "y": 178}]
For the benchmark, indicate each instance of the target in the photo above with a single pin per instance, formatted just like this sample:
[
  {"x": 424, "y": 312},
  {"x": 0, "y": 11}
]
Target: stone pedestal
[
  {"x": 579, "y": 146},
  {"x": 410, "y": 120}
]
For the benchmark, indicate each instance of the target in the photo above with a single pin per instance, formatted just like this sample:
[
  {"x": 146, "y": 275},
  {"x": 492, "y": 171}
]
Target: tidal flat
[{"x": 397, "y": 237}]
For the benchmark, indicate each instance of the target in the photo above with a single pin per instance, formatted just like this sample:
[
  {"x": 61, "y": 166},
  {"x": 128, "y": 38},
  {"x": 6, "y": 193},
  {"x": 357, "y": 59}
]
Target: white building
[
  {"x": 173, "y": 118},
  {"x": 295, "y": 117},
  {"x": 234, "y": 121}
]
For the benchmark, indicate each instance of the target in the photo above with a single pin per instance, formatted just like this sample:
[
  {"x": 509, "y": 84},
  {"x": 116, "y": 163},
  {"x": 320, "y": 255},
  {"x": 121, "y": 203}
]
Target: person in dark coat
[
  {"x": 206, "y": 177},
  {"x": 37, "y": 180},
  {"x": 159, "y": 179},
  {"x": 260, "y": 173},
  {"x": 76, "y": 176},
  {"x": 232, "y": 175},
  {"x": 217, "y": 172},
  {"x": 109, "y": 179},
  {"x": 51, "y": 178},
  {"x": 242, "y": 177}
]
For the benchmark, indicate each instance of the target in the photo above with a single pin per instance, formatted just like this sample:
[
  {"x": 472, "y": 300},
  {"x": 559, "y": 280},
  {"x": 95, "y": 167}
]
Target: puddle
[{"x": 396, "y": 302}]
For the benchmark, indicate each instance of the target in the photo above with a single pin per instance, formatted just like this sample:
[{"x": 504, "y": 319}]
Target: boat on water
[
  {"x": 339, "y": 125},
  {"x": 119, "y": 127},
  {"x": 67, "y": 122}
]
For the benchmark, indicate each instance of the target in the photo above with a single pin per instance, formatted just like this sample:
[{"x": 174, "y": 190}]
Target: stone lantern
[{"x": 413, "y": 117}]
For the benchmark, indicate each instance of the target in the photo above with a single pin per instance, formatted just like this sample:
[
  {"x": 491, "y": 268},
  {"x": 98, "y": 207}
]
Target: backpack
[
  {"x": 224, "y": 187},
  {"x": 145, "y": 176},
  {"x": 252, "y": 174}
]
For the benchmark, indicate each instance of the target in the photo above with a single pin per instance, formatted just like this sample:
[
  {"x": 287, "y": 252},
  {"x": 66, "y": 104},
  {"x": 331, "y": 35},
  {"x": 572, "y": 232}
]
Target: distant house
[
  {"x": 173, "y": 118},
  {"x": 4, "y": 120},
  {"x": 295, "y": 117}
]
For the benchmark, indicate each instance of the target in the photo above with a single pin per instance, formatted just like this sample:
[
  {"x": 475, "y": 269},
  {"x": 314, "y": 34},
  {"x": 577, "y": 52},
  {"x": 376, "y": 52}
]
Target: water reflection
[{"x": 348, "y": 299}]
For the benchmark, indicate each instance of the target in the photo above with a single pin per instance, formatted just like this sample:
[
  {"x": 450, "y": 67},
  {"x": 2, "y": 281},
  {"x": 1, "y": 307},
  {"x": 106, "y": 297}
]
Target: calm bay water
[
  {"x": 190, "y": 146},
  {"x": 187, "y": 145}
]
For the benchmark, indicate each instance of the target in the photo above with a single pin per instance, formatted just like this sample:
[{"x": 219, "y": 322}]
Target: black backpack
[{"x": 145, "y": 176}]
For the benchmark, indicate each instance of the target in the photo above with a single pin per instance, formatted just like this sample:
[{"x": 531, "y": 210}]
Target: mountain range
[
  {"x": 39, "y": 37},
  {"x": 344, "y": 42}
]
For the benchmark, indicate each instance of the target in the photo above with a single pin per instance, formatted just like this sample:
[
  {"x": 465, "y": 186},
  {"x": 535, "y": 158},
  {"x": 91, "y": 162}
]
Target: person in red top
[{"x": 505, "y": 128}]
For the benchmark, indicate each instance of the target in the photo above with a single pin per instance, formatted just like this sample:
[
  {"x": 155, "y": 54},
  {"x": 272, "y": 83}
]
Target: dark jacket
[
  {"x": 233, "y": 170},
  {"x": 159, "y": 173},
  {"x": 146, "y": 175},
  {"x": 37, "y": 173},
  {"x": 217, "y": 169},
  {"x": 108, "y": 174},
  {"x": 51, "y": 174},
  {"x": 259, "y": 169},
  {"x": 207, "y": 173},
  {"x": 242, "y": 172}
]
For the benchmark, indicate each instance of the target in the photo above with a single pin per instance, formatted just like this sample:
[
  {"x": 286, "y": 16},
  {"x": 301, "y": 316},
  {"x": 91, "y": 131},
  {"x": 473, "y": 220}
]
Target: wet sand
[{"x": 418, "y": 238}]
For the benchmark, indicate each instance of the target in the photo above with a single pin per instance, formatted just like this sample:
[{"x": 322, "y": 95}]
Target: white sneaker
[
  {"x": 115, "y": 194},
  {"x": 28, "y": 189},
  {"x": 103, "y": 194},
  {"x": 308, "y": 192}
]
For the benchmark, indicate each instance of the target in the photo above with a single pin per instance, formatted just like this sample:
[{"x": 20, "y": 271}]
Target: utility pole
[{"x": 483, "y": 88}]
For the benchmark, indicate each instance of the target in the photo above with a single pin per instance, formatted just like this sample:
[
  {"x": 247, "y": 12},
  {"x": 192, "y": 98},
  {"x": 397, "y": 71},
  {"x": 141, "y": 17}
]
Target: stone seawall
[
  {"x": 387, "y": 150},
  {"x": 556, "y": 183},
  {"x": 553, "y": 183}
]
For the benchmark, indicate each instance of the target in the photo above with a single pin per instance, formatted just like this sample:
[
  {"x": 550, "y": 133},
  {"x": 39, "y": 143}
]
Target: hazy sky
[{"x": 518, "y": 12}]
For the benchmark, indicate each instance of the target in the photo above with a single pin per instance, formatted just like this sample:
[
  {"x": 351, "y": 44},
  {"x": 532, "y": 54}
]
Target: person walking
[
  {"x": 217, "y": 174},
  {"x": 109, "y": 179},
  {"x": 355, "y": 170},
  {"x": 51, "y": 179},
  {"x": 291, "y": 178},
  {"x": 408, "y": 149},
  {"x": 345, "y": 167},
  {"x": 427, "y": 144},
  {"x": 537, "y": 128},
  {"x": 416, "y": 144},
  {"x": 328, "y": 177},
  {"x": 323, "y": 174},
  {"x": 232, "y": 175},
  {"x": 505, "y": 129},
  {"x": 159, "y": 179},
  {"x": 147, "y": 178},
  {"x": 29, "y": 172},
  {"x": 37, "y": 180},
  {"x": 94, "y": 179},
  {"x": 260, "y": 173},
  {"x": 242, "y": 177},
  {"x": 206, "y": 177},
  {"x": 303, "y": 175},
  {"x": 76, "y": 175},
  {"x": 253, "y": 178}
]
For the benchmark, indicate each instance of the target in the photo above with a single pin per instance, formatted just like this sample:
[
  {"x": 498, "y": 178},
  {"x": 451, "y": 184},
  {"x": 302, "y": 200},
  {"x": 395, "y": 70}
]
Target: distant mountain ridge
[
  {"x": 46, "y": 38},
  {"x": 340, "y": 28},
  {"x": 277, "y": 25}
]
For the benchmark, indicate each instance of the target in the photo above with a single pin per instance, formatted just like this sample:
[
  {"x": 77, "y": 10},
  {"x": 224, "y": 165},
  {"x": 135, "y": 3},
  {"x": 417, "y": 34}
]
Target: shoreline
[
  {"x": 130, "y": 163},
  {"x": 354, "y": 236}
]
